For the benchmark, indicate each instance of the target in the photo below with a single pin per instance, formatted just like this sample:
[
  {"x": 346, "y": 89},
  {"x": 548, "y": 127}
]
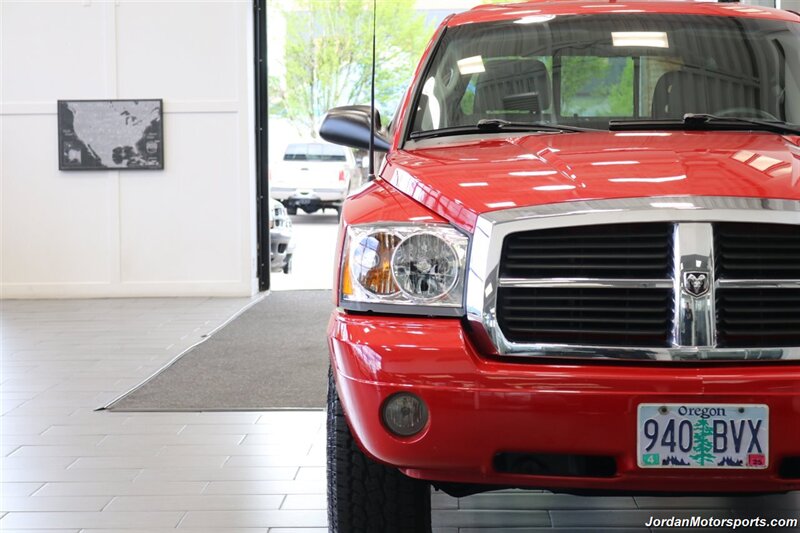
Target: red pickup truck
[{"x": 578, "y": 268}]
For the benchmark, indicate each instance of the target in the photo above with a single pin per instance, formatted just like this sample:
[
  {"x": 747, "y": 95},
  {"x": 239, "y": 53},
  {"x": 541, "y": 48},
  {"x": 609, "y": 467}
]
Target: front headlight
[{"x": 405, "y": 268}]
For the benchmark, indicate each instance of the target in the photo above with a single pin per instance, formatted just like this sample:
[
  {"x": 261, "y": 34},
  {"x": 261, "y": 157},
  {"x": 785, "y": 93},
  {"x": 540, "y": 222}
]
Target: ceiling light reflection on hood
[
  {"x": 498, "y": 205},
  {"x": 530, "y": 173},
  {"x": 554, "y": 188},
  {"x": 535, "y": 19},
  {"x": 611, "y": 163},
  {"x": 647, "y": 180}
]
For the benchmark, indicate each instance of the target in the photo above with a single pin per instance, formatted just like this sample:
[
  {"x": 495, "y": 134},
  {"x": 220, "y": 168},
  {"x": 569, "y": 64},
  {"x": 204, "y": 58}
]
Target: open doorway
[{"x": 312, "y": 56}]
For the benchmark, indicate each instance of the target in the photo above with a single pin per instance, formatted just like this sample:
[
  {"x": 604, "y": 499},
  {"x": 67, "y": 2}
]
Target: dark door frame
[{"x": 262, "y": 144}]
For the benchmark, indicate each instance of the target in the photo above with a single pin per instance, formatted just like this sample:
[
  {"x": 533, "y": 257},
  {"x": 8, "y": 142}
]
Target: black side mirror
[{"x": 350, "y": 126}]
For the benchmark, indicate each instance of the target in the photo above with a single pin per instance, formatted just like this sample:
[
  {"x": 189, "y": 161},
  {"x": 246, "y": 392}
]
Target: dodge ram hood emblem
[{"x": 696, "y": 283}]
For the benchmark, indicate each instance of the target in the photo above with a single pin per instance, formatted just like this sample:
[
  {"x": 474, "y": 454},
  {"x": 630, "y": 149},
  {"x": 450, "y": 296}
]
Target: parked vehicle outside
[
  {"x": 281, "y": 238},
  {"x": 578, "y": 268},
  {"x": 314, "y": 176}
]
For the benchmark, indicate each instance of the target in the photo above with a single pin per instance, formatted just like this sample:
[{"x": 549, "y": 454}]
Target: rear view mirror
[{"x": 350, "y": 126}]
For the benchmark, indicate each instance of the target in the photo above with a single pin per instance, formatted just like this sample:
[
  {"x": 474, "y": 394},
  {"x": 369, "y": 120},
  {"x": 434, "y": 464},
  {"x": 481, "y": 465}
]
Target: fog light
[{"x": 405, "y": 414}]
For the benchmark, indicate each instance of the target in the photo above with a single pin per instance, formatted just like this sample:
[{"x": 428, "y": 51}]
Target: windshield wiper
[
  {"x": 495, "y": 125},
  {"x": 705, "y": 122}
]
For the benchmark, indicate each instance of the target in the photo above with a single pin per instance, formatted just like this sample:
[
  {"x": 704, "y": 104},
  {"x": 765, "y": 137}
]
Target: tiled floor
[{"x": 69, "y": 468}]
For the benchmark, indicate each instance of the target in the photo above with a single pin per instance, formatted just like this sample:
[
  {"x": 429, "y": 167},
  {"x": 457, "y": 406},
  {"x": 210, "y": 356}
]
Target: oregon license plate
[{"x": 703, "y": 436}]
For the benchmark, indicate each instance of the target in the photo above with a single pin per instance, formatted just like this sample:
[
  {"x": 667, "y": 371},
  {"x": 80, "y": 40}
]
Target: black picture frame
[{"x": 111, "y": 134}]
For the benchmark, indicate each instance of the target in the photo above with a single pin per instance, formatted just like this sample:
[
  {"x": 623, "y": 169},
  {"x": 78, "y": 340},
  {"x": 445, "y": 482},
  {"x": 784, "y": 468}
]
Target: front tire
[{"x": 365, "y": 496}]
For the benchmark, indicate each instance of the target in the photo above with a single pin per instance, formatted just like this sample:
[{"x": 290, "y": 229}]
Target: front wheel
[{"x": 365, "y": 496}]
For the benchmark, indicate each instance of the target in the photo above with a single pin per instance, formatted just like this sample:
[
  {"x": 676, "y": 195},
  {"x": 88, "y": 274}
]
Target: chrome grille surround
[{"x": 694, "y": 331}]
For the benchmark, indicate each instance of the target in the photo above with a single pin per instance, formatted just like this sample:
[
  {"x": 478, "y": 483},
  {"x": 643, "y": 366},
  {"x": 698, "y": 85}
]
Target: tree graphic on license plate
[{"x": 702, "y": 443}]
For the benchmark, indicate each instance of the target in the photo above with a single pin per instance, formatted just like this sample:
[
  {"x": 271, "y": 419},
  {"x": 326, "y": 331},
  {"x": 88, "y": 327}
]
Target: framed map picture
[{"x": 110, "y": 135}]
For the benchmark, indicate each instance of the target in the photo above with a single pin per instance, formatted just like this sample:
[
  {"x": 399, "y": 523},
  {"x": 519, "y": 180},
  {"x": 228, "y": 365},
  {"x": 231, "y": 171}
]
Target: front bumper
[
  {"x": 480, "y": 407},
  {"x": 292, "y": 197},
  {"x": 281, "y": 246}
]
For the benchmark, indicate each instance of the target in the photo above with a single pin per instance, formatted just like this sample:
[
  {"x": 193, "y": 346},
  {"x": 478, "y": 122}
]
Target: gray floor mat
[{"x": 272, "y": 356}]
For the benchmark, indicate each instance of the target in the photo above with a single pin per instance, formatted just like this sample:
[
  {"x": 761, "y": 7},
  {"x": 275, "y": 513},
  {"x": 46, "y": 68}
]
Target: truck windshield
[{"x": 586, "y": 70}]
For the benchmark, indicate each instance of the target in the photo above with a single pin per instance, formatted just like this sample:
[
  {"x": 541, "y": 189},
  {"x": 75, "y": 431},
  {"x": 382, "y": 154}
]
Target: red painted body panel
[
  {"x": 480, "y": 406},
  {"x": 460, "y": 179},
  {"x": 489, "y": 13}
]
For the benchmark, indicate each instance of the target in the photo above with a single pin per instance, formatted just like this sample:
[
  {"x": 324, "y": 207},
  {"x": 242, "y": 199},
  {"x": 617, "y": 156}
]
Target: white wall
[{"x": 186, "y": 230}]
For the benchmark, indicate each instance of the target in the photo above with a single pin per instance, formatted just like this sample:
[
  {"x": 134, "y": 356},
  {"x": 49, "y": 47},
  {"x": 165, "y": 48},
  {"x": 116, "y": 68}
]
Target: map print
[{"x": 110, "y": 134}]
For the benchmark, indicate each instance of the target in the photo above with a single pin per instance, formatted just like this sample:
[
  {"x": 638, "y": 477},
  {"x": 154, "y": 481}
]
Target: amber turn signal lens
[
  {"x": 370, "y": 264},
  {"x": 347, "y": 278}
]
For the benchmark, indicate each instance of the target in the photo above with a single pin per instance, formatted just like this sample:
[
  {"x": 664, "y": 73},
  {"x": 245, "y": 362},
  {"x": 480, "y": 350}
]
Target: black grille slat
[
  {"x": 585, "y": 319},
  {"x": 745, "y": 257},
  {"x": 757, "y": 251},
  {"x": 744, "y": 270},
  {"x": 521, "y": 242},
  {"x": 584, "y": 308},
  {"x": 599, "y": 333},
  {"x": 787, "y": 322},
  {"x": 733, "y": 311},
  {"x": 625, "y": 317},
  {"x": 638, "y": 315},
  {"x": 552, "y": 256},
  {"x": 592, "y": 245},
  {"x": 642, "y": 231},
  {"x": 586, "y": 298},
  {"x": 758, "y": 318},
  {"x": 599, "y": 316},
  {"x": 627, "y": 267},
  {"x": 775, "y": 298},
  {"x": 611, "y": 251}
]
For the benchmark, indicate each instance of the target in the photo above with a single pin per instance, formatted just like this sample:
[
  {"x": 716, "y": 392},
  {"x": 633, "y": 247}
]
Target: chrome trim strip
[
  {"x": 758, "y": 283},
  {"x": 492, "y": 228},
  {"x": 693, "y": 252},
  {"x": 682, "y": 354},
  {"x": 402, "y": 309},
  {"x": 664, "y": 209},
  {"x": 586, "y": 283}
]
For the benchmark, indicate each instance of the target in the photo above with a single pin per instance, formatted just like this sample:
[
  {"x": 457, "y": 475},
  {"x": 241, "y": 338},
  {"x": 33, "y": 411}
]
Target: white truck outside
[{"x": 313, "y": 176}]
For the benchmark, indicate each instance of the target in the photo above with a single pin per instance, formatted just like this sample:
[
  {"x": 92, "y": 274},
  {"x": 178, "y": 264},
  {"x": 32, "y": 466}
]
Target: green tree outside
[
  {"x": 589, "y": 86},
  {"x": 620, "y": 98},
  {"x": 328, "y": 56}
]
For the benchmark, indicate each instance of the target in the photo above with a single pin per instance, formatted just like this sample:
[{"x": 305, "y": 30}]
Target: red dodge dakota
[{"x": 578, "y": 268}]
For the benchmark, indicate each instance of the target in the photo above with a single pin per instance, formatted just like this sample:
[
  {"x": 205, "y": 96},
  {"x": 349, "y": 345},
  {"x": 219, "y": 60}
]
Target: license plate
[
  {"x": 703, "y": 436},
  {"x": 303, "y": 201}
]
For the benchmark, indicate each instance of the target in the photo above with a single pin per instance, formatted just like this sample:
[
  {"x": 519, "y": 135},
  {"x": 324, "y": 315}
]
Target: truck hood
[{"x": 462, "y": 178}]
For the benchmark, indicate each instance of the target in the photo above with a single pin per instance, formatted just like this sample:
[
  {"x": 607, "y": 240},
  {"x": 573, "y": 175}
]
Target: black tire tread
[{"x": 365, "y": 496}]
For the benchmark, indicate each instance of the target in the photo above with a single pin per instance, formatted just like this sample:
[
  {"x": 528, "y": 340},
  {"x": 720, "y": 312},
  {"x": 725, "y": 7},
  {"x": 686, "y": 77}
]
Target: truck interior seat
[
  {"x": 681, "y": 91},
  {"x": 513, "y": 90}
]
